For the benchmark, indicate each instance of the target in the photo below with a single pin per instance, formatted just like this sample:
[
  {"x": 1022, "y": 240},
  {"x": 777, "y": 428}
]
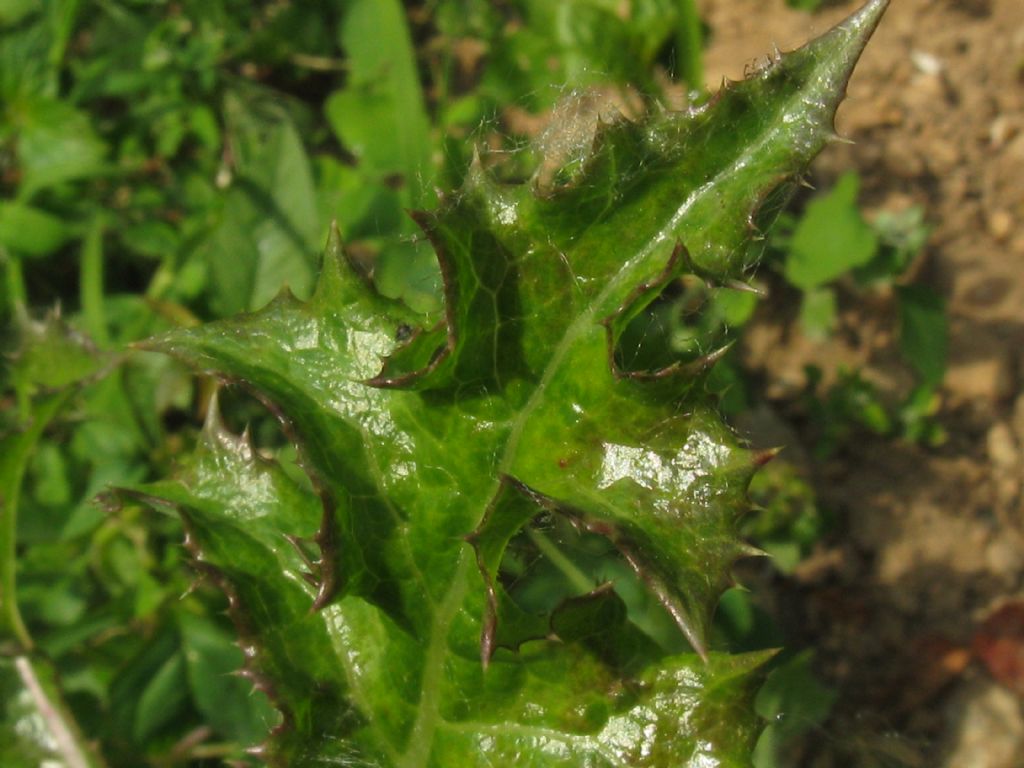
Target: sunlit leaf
[{"x": 378, "y": 603}]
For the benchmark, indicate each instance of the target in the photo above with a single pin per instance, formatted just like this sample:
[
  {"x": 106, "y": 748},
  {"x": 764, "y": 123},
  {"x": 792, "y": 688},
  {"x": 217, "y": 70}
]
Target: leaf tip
[{"x": 844, "y": 44}]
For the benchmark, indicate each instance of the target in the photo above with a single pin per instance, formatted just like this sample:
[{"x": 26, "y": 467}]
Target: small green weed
[{"x": 830, "y": 248}]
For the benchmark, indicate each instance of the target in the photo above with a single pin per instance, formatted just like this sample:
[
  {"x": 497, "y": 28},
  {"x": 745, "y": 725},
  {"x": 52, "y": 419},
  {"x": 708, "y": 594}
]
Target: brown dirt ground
[{"x": 930, "y": 539}]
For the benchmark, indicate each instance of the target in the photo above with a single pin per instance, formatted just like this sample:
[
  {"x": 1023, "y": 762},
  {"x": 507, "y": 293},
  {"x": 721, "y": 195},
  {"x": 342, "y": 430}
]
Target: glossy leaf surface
[{"x": 434, "y": 452}]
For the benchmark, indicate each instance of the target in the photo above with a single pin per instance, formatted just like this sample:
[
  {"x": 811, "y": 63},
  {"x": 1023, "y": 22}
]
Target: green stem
[
  {"x": 91, "y": 279},
  {"x": 17, "y": 296},
  {"x": 689, "y": 41},
  {"x": 11, "y": 623},
  {"x": 37, "y": 679},
  {"x": 16, "y": 449},
  {"x": 577, "y": 578}
]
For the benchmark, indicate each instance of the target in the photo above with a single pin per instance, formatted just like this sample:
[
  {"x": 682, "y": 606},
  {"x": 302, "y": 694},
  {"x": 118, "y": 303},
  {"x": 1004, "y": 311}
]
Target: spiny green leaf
[{"x": 513, "y": 415}]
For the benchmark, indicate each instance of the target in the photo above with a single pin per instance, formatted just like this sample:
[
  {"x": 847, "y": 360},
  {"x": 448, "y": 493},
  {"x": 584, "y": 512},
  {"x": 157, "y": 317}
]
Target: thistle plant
[{"x": 384, "y": 599}]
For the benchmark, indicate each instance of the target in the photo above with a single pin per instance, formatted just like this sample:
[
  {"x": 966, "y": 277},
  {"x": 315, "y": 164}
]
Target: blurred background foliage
[{"x": 166, "y": 163}]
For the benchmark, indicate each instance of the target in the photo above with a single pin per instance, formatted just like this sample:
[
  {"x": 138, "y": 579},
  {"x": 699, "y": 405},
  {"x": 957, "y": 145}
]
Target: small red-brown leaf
[{"x": 999, "y": 644}]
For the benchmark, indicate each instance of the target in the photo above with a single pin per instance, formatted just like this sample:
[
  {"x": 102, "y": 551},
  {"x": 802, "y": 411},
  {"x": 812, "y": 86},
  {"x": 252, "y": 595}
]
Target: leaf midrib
[
  {"x": 585, "y": 321},
  {"x": 418, "y": 751}
]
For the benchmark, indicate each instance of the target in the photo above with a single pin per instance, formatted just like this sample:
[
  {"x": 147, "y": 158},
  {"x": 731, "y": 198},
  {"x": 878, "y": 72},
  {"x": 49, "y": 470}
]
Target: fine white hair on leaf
[{"x": 569, "y": 134}]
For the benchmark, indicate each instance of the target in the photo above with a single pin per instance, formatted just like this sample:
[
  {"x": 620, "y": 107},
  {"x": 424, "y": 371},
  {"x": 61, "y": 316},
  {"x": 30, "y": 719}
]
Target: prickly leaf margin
[{"x": 372, "y": 602}]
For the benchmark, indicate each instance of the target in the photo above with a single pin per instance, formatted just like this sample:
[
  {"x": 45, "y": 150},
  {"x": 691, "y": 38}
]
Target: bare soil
[{"x": 930, "y": 541}]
